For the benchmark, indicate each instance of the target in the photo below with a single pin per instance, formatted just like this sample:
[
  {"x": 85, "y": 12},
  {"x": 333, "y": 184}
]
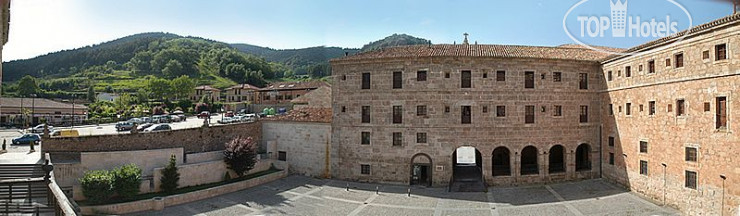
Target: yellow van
[{"x": 65, "y": 133}]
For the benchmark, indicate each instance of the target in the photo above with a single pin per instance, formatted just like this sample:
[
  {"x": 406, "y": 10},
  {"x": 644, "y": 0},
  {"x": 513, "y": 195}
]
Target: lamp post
[
  {"x": 73, "y": 111},
  {"x": 23, "y": 115},
  {"x": 33, "y": 108}
]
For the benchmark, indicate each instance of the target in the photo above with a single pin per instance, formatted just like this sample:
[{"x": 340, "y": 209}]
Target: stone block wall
[
  {"x": 699, "y": 82},
  {"x": 444, "y": 98},
  {"x": 306, "y": 145},
  {"x": 192, "y": 140}
]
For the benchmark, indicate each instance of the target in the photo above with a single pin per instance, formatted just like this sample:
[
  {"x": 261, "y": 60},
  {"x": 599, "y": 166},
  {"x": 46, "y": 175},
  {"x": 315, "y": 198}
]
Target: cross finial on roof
[{"x": 465, "y": 41}]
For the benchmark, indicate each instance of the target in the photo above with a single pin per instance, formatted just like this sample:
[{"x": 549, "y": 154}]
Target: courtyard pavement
[{"x": 298, "y": 195}]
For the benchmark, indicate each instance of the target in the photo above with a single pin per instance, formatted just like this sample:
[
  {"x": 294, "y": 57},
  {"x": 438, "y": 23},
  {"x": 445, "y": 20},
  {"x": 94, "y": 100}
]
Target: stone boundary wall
[
  {"x": 192, "y": 140},
  {"x": 206, "y": 173},
  {"x": 159, "y": 203},
  {"x": 204, "y": 157},
  {"x": 306, "y": 145}
]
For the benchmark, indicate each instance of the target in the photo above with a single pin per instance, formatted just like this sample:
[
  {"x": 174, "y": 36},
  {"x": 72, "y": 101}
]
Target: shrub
[
  {"x": 126, "y": 180},
  {"x": 241, "y": 154},
  {"x": 170, "y": 176},
  {"x": 97, "y": 185}
]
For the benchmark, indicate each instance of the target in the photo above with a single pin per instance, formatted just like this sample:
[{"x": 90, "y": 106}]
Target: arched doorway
[
  {"x": 501, "y": 162},
  {"x": 467, "y": 170},
  {"x": 556, "y": 160},
  {"x": 583, "y": 159},
  {"x": 529, "y": 161},
  {"x": 421, "y": 170}
]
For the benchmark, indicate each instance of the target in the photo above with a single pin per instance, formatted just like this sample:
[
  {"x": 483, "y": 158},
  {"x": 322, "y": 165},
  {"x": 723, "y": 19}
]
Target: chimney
[
  {"x": 736, "y": 6},
  {"x": 465, "y": 41},
  {"x": 346, "y": 53}
]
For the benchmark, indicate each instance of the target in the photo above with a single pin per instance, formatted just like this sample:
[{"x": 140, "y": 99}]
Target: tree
[
  {"x": 97, "y": 185},
  {"x": 170, "y": 176},
  {"x": 123, "y": 102},
  {"x": 240, "y": 154},
  {"x": 182, "y": 86},
  {"x": 173, "y": 68},
  {"x": 27, "y": 86},
  {"x": 126, "y": 180},
  {"x": 142, "y": 96},
  {"x": 159, "y": 88},
  {"x": 141, "y": 63},
  {"x": 91, "y": 94}
]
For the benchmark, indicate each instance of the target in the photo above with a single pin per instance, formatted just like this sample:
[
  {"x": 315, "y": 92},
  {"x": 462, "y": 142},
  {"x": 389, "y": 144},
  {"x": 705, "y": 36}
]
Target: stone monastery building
[{"x": 662, "y": 123}]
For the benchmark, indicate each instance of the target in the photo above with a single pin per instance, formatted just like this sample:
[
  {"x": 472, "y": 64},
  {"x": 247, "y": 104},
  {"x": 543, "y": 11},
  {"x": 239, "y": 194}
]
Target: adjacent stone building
[
  {"x": 659, "y": 122},
  {"x": 200, "y": 91},
  {"x": 284, "y": 92}
]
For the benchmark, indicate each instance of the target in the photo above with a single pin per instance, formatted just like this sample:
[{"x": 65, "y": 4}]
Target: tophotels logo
[{"x": 622, "y": 25}]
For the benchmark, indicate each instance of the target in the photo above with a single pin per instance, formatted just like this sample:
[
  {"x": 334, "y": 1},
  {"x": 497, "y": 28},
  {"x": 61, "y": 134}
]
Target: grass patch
[{"x": 182, "y": 190}]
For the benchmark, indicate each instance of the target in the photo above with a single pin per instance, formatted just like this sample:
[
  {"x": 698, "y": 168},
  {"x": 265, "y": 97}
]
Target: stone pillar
[{"x": 515, "y": 167}]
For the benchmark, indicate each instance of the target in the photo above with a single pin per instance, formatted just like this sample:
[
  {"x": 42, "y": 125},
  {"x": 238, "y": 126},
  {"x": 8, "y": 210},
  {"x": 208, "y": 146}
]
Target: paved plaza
[{"x": 298, "y": 195}]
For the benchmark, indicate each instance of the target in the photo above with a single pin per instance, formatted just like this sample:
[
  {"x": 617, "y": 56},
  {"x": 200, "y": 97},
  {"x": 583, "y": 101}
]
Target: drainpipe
[
  {"x": 722, "y": 204},
  {"x": 664, "y": 181},
  {"x": 601, "y": 153}
]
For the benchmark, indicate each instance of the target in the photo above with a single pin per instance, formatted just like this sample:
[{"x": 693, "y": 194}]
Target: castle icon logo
[{"x": 618, "y": 18}]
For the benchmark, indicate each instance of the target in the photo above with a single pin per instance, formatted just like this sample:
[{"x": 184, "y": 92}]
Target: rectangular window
[
  {"x": 465, "y": 79},
  {"x": 529, "y": 114},
  {"x": 584, "y": 114},
  {"x": 529, "y": 79},
  {"x": 609, "y": 76},
  {"x": 365, "y": 114},
  {"x": 500, "y": 111},
  {"x": 485, "y": 109},
  {"x": 365, "y": 80},
  {"x": 641, "y": 108},
  {"x": 651, "y": 108},
  {"x": 643, "y": 167},
  {"x": 691, "y": 154},
  {"x": 707, "y": 107},
  {"x": 651, "y": 66},
  {"x": 611, "y": 158},
  {"x": 397, "y": 80},
  {"x": 679, "y": 60},
  {"x": 447, "y": 109},
  {"x": 465, "y": 114},
  {"x": 282, "y": 156},
  {"x": 501, "y": 76},
  {"x": 421, "y": 137},
  {"x": 447, "y": 75},
  {"x": 611, "y": 109},
  {"x": 721, "y": 113},
  {"x": 421, "y": 110},
  {"x": 619, "y": 73},
  {"x": 485, "y": 75},
  {"x": 557, "y": 110},
  {"x": 344, "y": 109},
  {"x": 628, "y": 71},
  {"x": 365, "y": 138},
  {"x": 680, "y": 108},
  {"x": 397, "y": 114},
  {"x": 611, "y": 141},
  {"x": 557, "y": 76},
  {"x": 705, "y": 55},
  {"x": 583, "y": 81},
  {"x": 421, "y": 76},
  {"x": 720, "y": 52},
  {"x": 365, "y": 169},
  {"x": 628, "y": 109},
  {"x": 639, "y": 68},
  {"x": 643, "y": 147},
  {"x": 397, "y": 138},
  {"x": 667, "y": 62},
  {"x": 690, "y": 179},
  {"x": 670, "y": 107}
]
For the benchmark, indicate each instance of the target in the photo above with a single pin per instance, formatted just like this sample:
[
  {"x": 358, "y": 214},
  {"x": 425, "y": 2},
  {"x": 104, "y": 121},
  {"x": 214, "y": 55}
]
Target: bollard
[
  {"x": 347, "y": 186},
  {"x": 4, "y": 144},
  {"x": 409, "y": 192},
  {"x": 376, "y": 190},
  {"x": 32, "y": 147}
]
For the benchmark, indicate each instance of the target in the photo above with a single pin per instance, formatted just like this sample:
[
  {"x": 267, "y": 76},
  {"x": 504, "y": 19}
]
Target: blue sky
[{"x": 42, "y": 26}]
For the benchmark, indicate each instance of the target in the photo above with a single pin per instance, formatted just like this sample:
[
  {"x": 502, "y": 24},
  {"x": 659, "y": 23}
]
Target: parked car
[
  {"x": 65, "y": 133},
  {"x": 251, "y": 117},
  {"x": 144, "y": 126},
  {"x": 146, "y": 120},
  {"x": 229, "y": 114},
  {"x": 158, "y": 127},
  {"x": 29, "y": 138},
  {"x": 182, "y": 117},
  {"x": 159, "y": 119},
  {"x": 225, "y": 120},
  {"x": 178, "y": 112},
  {"x": 204, "y": 114},
  {"x": 40, "y": 128},
  {"x": 124, "y": 126},
  {"x": 136, "y": 120}
]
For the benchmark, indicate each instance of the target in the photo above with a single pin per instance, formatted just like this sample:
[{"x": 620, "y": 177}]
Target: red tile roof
[
  {"x": 294, "y": 85},
  {"x": 243, "y": 86},
  {"x": 207, "y": 88},
  {"x": 479, "y": 50},
  {"x": 38, "y": 103}
]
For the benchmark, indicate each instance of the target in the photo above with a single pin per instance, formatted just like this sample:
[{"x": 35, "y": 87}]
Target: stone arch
[
  {"x": 583, "y": 157},
  {"x": 421, "y": 170},
  {"x": 501, "y": 165},
  {"x": 556, "y": 159},
  {"x": 529, "y": 165}
]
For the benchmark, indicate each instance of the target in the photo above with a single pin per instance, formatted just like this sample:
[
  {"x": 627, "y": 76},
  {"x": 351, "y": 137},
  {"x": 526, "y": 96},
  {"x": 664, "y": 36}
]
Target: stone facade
[
  {"x": 193, "y": 140},
  {"x": 667, "y": 133},
  {"x": 444, "y": 98},
  {"x": 306, "y": 145}
]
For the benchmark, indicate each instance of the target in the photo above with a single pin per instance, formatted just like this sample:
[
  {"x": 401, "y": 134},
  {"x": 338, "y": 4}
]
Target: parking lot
[{"x": 299, "y": 195}]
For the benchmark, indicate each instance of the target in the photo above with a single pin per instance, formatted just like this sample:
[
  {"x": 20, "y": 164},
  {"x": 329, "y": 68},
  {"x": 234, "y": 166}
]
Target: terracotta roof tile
[
  {"x": 243, "y": 86},
  {"x": 305, "y": 115},
  {"x": 207, "y": 88},
  {"x": 294, "y": 85},
  {"x": 38, "y": 103}
]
